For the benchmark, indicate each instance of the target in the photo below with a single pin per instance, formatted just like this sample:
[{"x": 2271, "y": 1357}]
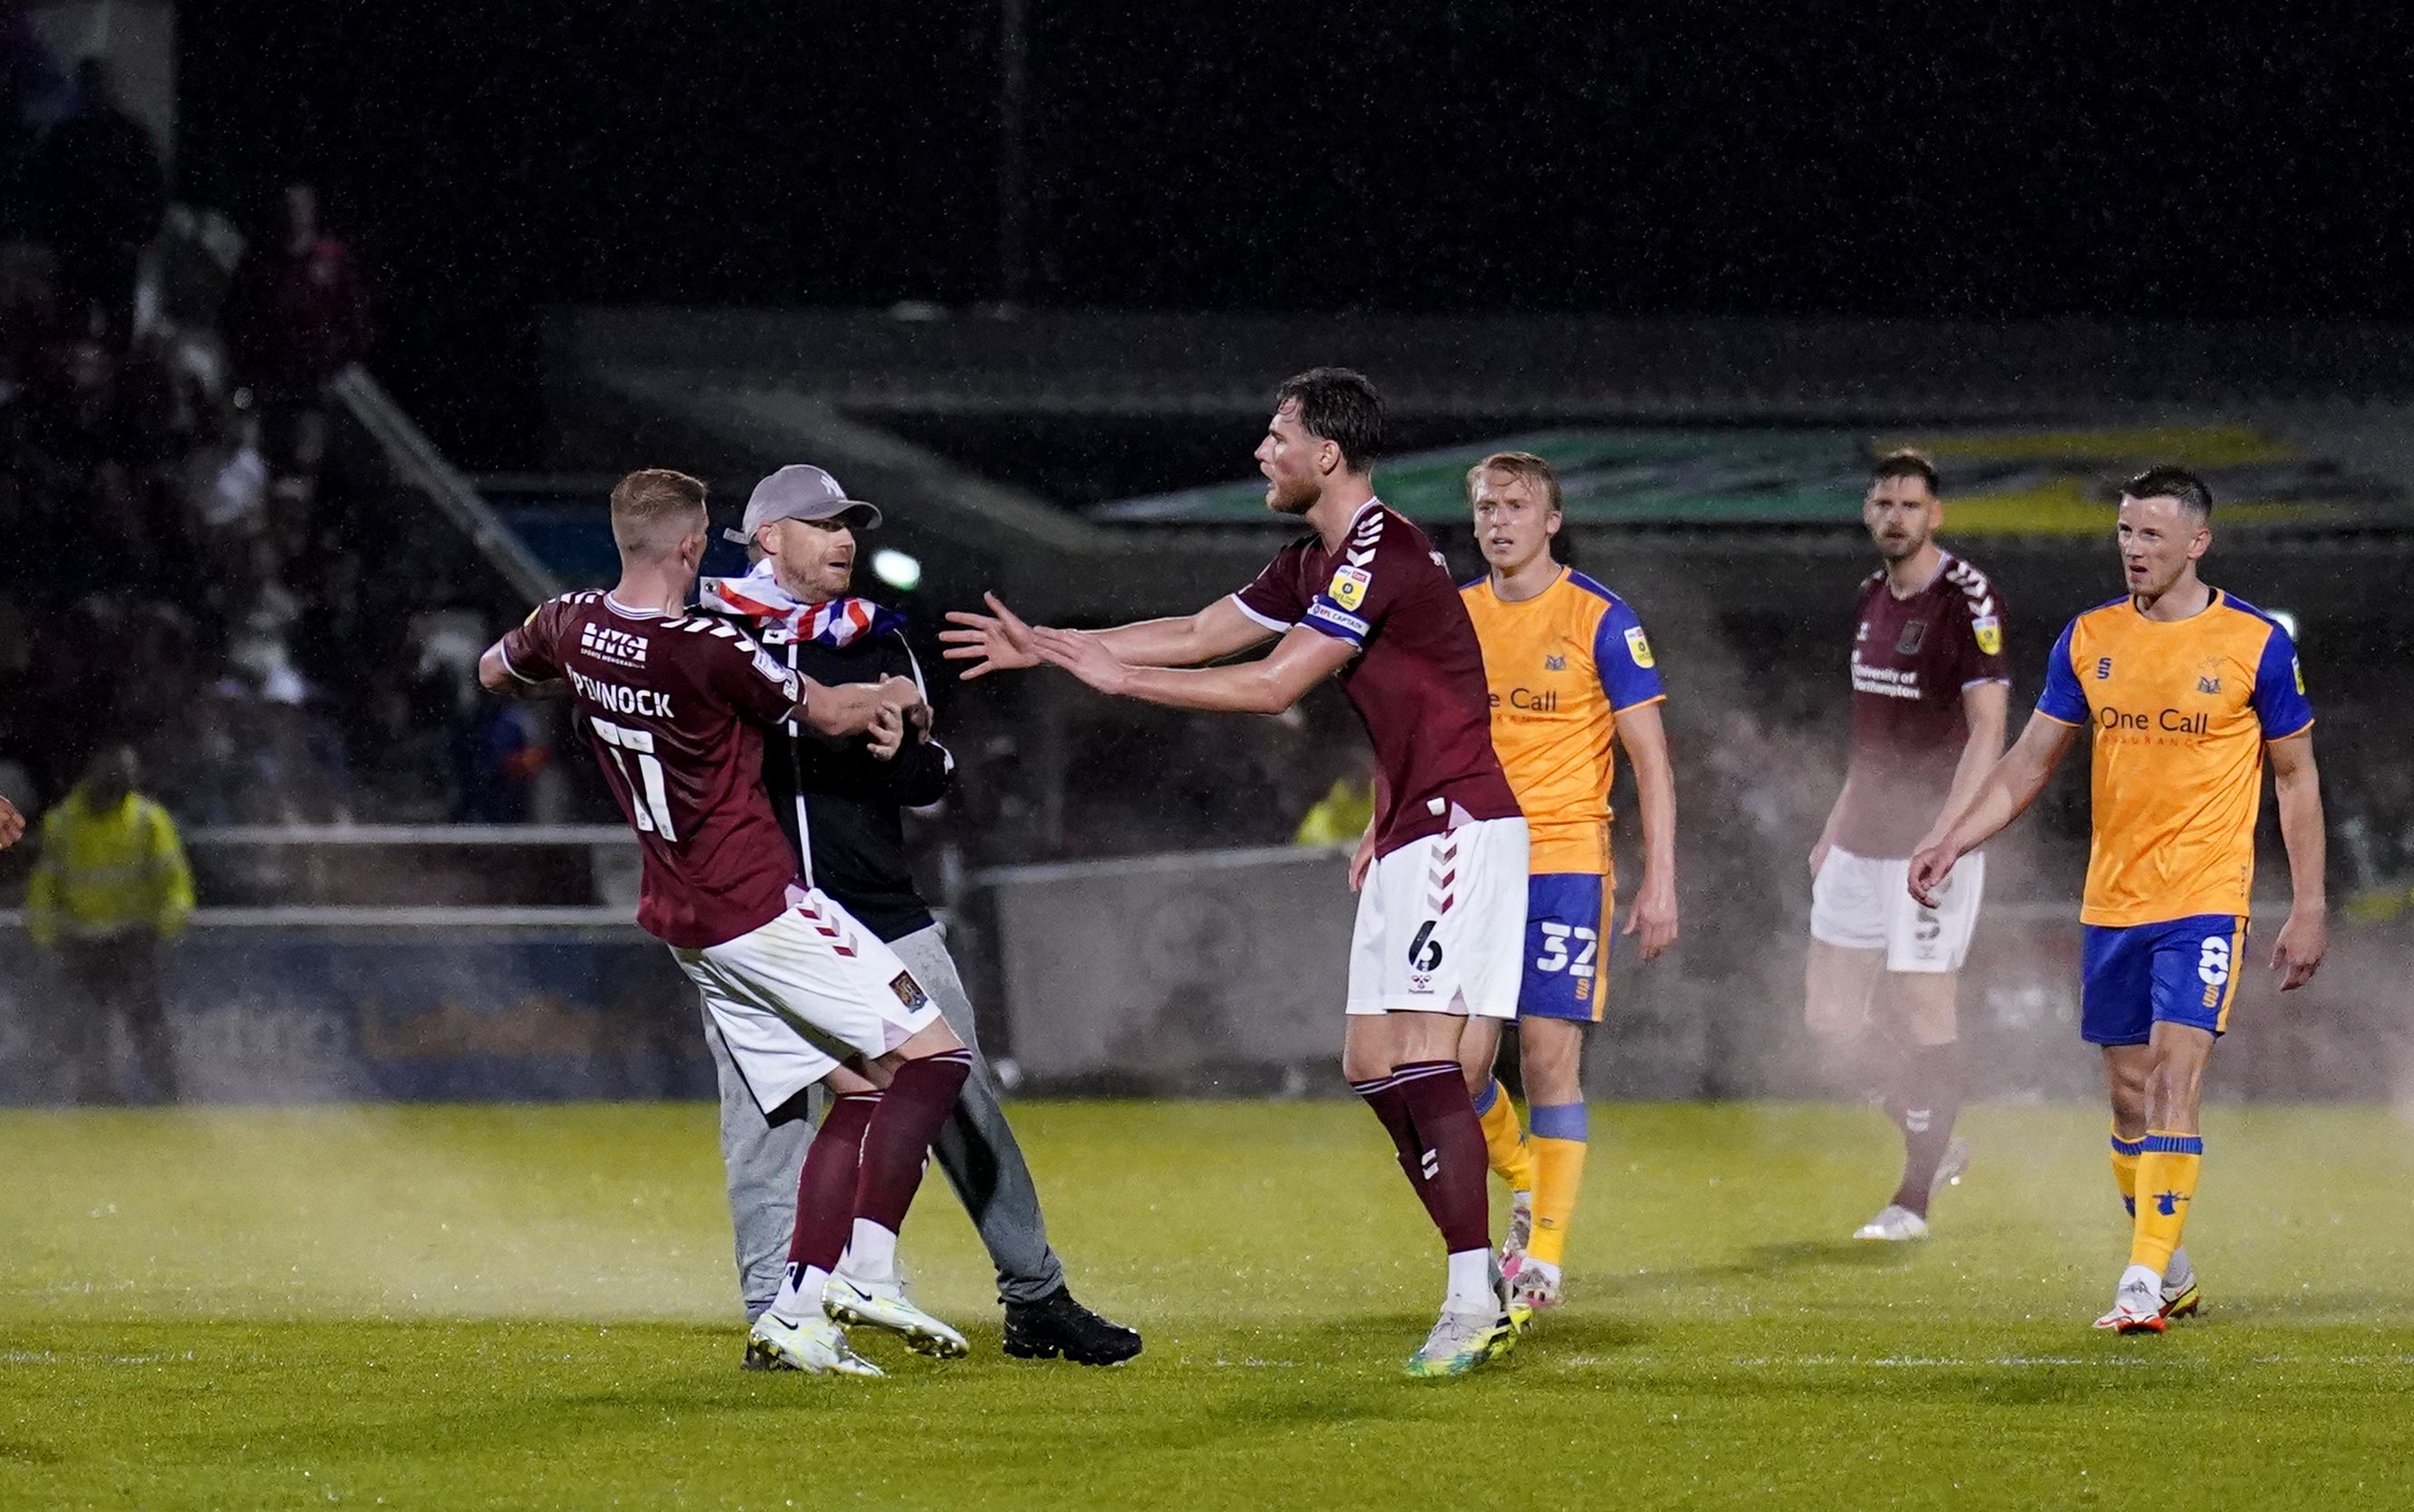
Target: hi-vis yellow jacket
[{"x": 104, "y": 872}]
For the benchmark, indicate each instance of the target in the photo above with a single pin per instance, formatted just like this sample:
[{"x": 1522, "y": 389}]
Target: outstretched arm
[
  {"x": 1298, "y": 663},
  {"x": 1645, "y": 739},
  {"x": 12, "y": 825},
  {"x": 2306, "y": 937},
  {"x": 2009, "y": 789},
  {"x": 998, "y": 641}
]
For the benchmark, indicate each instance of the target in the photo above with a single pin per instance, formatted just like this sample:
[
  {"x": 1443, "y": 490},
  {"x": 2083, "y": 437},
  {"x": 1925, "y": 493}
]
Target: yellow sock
[
  {"x": 1504, "y": 1140},
  {"x": 1558, "y": 1171},
  {"x": 2124, "y": 1169},
  {"x": 2167, "y": 1172}
]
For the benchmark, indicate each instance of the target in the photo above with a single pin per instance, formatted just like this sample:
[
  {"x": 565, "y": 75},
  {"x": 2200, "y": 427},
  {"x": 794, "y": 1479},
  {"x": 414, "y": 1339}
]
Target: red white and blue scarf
[{"x": 759, "y": 597}]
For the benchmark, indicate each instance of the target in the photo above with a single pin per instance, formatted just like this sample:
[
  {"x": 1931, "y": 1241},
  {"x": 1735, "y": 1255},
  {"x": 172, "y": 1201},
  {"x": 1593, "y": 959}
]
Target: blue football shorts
[
  {"x": 1567, "y": 945},
  {"x": 2183, "y": 971}
]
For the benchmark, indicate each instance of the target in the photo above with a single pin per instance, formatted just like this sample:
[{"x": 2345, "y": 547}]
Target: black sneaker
[{"x": 1056, "y": 1325}]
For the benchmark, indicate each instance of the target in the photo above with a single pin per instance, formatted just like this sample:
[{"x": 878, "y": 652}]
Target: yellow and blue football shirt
[
  {"x": 1562, "y": 667},
  {"x": 2181, "y": 711}
]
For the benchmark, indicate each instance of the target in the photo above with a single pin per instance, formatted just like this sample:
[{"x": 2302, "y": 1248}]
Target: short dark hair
[
  {"x": 1905, "y": 463},
  {"x": 2172, "y": 482},
  {"x": 1339, "y": 406}
]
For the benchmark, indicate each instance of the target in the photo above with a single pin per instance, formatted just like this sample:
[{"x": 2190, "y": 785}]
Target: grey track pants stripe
[{"x": 977, "y": 1151}]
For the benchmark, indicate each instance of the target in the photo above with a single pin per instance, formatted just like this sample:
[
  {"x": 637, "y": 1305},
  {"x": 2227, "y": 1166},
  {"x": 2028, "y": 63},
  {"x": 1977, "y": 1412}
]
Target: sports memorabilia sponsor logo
[{"x": 605, "y": 644}]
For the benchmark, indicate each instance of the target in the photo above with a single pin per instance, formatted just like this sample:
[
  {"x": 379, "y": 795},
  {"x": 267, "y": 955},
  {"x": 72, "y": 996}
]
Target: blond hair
[
  {"x": 1517, "y": 465},
  {"x": 652, "y": 509}
]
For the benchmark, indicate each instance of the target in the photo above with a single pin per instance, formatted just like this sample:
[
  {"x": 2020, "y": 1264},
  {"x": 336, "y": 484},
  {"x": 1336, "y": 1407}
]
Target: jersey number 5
[{"x": 647, "y": 797}]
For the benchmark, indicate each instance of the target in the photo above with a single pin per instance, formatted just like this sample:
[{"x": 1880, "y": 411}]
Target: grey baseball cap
[{"x": 801, "y": 491}]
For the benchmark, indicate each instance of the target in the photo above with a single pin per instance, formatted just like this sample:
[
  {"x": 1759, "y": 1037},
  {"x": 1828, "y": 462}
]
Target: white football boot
[
  {"x": 882, "y": 1304},
  {"x": 1893, "y": 1223},
  {"x": 814, "y": 1346},
  {"x": 2138, "y": 1304}
]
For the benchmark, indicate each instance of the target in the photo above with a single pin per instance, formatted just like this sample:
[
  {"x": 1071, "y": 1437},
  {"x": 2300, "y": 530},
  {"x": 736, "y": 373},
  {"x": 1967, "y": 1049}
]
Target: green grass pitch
[{"x": 518, "y": 1306}]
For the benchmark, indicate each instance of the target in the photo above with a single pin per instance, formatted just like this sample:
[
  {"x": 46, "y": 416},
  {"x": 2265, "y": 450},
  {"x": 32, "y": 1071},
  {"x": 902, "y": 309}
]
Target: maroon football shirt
[
  {"x": 673, "y": 707},
  {"x": 1416, "y": 681},
  {"x": 1911, "y": 658}
]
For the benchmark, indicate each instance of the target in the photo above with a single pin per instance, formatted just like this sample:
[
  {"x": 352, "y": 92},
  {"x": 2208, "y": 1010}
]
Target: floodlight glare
[{"x": 897, "y": 570}]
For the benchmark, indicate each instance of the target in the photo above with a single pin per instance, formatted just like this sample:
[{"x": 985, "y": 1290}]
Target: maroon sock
[
  {"x": 918, "y": 1099},
  {"x": 1925, "y": 1103},
  {"x": 1383, "y": 1095},
  {"x": 826, "y": 1187},
  {"x": 1451, "y": 1166}
]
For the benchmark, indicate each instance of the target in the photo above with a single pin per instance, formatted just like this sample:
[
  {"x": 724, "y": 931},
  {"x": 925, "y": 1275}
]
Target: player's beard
[
  {"x": 1297, "y": 499},
  {"x": 1901, "y": 548}
]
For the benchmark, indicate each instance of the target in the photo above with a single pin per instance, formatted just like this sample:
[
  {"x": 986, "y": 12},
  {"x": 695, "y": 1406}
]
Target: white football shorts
[
  {"x": 1861, "y": 903},
  {"x": 1441, "y": 925},
  {"x": 805, "y": 992}
]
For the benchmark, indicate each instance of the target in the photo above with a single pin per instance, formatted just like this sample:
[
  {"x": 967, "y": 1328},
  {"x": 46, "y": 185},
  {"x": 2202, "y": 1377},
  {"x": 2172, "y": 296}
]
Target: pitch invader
[
  {"x": 801, "y": 993},
  {"x": 2188, "y": 691},
  {"x": 1573, "y": 677},
  {"x": 1929, "y": 691},
  {"x": 1365, "y": 598}
]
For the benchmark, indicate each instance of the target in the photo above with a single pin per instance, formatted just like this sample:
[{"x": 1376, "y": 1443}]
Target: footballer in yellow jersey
[
  {"x": 2187, "y": 692},
  {"x": 1572, "y": 675}
]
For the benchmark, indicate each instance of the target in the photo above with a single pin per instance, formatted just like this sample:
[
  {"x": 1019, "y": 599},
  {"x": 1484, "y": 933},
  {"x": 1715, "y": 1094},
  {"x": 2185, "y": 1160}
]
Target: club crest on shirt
[
  {"x": 1638, "y": 646},
  {"x": 1913, "y": 634},
  {"x": 1348, "y": 586},
  {"x": 1555, "y": 662},
  {"x": 909, "y": 992},
  {"x": 1989, "y": 633},
  {"x": 2208, "y": 675}
]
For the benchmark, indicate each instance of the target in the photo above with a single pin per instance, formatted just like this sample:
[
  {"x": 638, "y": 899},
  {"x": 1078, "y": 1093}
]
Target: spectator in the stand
[
  {"x": 296, "y": 316},
  {"x": 98, "y": 194},
  {"x": 112, "y": 885}
]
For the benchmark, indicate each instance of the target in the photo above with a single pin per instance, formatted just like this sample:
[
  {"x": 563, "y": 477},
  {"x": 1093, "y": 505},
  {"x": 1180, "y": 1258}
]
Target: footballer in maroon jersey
[
  {"x": 675, "y": 707},
  {"x": 1441, "y": 908},
  {"x": 1929, "y": 691}
]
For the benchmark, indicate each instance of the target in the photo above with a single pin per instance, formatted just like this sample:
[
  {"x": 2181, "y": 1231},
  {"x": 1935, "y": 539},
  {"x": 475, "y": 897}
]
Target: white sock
[
  {"x": 2146, "y": 1275},
  {"x": 801, "y": 1293},
  {"x": 871, "y": 1253},
  {"x": 1471, "y": 1284},
  {"x": 2179, "y": 1272}
]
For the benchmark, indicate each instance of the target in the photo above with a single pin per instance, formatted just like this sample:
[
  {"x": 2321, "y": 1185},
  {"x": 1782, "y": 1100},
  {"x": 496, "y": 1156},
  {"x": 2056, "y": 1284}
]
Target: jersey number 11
[{"x": 648, "y": 799}]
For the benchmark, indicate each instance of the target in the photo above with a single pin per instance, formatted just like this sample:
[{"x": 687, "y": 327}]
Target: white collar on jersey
[{"x": 625, "y": 612}]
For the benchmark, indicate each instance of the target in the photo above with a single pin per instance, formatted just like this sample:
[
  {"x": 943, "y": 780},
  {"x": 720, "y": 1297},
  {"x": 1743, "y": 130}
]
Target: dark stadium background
[{"x": 1985, "y": 159}]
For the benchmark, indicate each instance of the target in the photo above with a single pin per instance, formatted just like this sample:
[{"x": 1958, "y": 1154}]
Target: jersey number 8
[
  {"x": 649, "y": 800},
  {"x": 1554, "y": 949}
]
